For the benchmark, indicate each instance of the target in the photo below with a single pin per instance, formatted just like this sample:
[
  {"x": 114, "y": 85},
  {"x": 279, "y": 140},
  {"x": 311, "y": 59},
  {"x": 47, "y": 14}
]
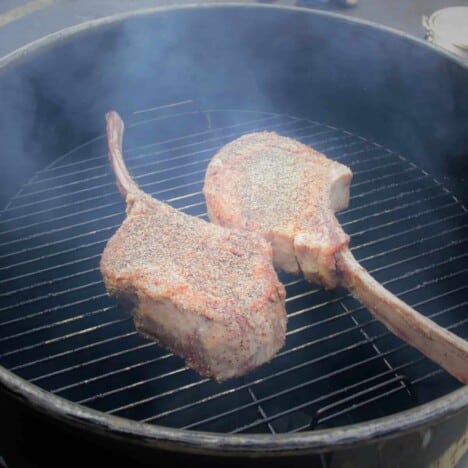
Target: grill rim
[
  {"x": 192, "y": 441},
  {"x": 209, "y": 443},
  {"x": 76, "y": 30}
]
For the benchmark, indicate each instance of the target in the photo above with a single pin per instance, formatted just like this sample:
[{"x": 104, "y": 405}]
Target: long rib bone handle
[
  {"x": 443, "y": 347},
  {"x": 115, "y": 130}
]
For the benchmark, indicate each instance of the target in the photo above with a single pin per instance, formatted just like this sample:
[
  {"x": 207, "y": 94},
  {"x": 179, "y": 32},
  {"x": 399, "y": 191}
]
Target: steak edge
[{"x": 209, "y": 294}]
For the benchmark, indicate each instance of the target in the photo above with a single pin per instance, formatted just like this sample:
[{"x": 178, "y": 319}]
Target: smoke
[
  {"x": 267, "y": 60},
  {"x": 254, "y": 58}
]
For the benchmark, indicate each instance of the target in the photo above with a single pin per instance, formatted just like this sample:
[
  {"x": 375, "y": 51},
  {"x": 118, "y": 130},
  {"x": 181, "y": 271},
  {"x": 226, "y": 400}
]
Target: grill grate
[{"x": 59, "y": 330}]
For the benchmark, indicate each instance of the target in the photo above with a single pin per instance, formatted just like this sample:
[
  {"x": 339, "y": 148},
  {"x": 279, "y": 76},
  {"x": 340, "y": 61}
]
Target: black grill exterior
[{"x": 187, "y": 81}]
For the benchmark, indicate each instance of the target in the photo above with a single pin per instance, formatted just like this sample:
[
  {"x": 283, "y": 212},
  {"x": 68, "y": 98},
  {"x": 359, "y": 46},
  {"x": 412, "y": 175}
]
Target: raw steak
[
  {"x": 209, "y": 294},
  {"x": 288, "y": 193}
]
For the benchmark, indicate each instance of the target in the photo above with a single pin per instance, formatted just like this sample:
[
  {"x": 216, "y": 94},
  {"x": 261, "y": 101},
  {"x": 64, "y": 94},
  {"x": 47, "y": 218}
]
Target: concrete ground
[{"x": 22, "y": 21}]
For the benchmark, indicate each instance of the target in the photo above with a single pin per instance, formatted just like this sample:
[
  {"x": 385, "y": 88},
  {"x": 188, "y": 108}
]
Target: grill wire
[{"x": 60, "y": 331}]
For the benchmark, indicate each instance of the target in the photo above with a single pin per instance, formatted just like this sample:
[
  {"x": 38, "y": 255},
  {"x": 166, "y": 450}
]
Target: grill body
[{"x": 187, "y": 81}]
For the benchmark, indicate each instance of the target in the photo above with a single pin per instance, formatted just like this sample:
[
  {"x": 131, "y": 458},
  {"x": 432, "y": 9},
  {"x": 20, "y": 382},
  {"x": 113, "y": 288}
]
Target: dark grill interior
[{"x": 59, "y": 330}]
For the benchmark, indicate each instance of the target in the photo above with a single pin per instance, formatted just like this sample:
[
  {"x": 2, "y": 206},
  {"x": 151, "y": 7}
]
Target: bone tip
[{"x": 113, "y": 118}]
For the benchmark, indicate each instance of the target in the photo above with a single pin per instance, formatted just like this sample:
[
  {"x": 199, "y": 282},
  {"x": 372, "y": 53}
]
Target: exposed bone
[
  {"x": 289, "y": 193},
  {"x": 207, "y": 293}
]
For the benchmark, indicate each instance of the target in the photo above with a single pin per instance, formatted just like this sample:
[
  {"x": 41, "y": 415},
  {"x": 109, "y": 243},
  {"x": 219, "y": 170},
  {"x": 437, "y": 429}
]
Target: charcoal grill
[{"x": 64, "y": 342}]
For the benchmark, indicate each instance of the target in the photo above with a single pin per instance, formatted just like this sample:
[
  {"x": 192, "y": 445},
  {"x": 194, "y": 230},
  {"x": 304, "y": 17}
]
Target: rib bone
[
  {"x": 289, "y": 193},
  {"x": 209, "y": 294}
]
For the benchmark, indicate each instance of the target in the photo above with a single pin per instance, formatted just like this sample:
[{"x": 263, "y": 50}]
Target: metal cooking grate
[{"x": 59, "y": 330}]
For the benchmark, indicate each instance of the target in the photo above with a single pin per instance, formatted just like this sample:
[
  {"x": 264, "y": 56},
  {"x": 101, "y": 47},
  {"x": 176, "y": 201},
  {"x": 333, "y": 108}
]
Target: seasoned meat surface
[
  {"x": 289, "y": 193},
  {"x": 209, "y": 294},
  {"x": 239, "y": 193}
]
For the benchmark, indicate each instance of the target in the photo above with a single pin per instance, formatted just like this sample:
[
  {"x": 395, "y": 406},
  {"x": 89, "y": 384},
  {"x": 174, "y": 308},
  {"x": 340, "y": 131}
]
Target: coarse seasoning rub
[
  {"x": 208, "y": 293},
  {"x": 289, "y": 193}
]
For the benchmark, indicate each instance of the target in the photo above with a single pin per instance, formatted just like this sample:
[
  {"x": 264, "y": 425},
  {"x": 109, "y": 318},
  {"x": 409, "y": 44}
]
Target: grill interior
[{"x": 60, "y": 331}]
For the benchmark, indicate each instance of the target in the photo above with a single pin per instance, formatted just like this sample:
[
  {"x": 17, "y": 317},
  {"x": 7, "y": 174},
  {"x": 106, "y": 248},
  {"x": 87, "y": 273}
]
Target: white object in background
[{"x": 448, "y": 28}]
